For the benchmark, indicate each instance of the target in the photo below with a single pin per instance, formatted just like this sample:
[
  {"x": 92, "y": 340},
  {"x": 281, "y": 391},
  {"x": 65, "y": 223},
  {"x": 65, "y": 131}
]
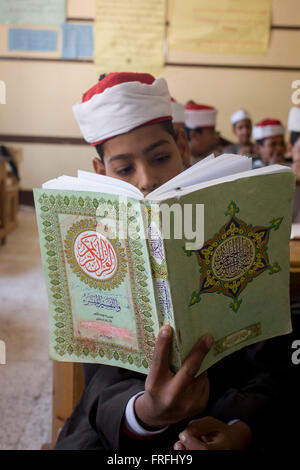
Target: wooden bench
[
  {"x": 9, "y": 192},
  {"x": 68, "y": 384},
  {"x": 12, "y": 189},
  {"x": 3, "y": 223}
]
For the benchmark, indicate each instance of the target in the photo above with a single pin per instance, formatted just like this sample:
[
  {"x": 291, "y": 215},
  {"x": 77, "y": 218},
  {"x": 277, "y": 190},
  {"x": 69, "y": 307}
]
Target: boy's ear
[
  {"x": 184, "y": 148},
  {"x": 98, "y": 166}
]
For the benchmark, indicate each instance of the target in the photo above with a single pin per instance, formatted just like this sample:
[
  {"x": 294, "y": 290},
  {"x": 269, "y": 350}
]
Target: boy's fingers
[
  {"x": 192, "y": 364},
  {"x": 160, "y": 360},
  {"x": 190, "y": 442},
  {"x": 202, "y": 426},
  {"x": 179, "y": 446}
]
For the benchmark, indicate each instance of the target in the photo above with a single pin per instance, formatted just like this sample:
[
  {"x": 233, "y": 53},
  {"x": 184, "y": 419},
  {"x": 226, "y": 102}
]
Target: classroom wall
[{"x": 40, "y": 94}]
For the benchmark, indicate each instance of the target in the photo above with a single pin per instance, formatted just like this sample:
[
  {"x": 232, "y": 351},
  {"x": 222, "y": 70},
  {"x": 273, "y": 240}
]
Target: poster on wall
[
  {"x": 219, "y": 26},
  {"x": 40, "y": 40},
  {"x": 77, "y": 41},
  {"x": 129, "y": 36},
  {"x": 33, "y": 12}
]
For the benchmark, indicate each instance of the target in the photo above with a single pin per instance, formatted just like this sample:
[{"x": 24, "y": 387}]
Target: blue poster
[
  {"x": 77, "y": 41},
  {"x": 21, "y": 39}
]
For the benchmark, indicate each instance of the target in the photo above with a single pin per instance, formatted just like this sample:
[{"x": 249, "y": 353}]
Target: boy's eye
[
  {"x": 125, "y": 170},
  {"x": 161, "y": 158}
]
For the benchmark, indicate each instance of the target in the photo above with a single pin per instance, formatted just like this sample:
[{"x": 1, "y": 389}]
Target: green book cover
[
  {"x": 113, "y": 279},
  {"x": 236, "y": 287}
]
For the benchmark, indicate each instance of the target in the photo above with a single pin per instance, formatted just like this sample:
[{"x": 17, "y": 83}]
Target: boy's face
[
  {"x": 243, "y": 131},
  {"x": 273, "y": 150},
  {"x": 202, "y": 144},
  {"x": 146, "y": 157}
]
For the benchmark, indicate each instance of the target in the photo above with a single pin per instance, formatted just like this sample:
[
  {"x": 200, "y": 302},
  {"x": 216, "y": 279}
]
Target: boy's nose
[{"x": 147, "y": 181}]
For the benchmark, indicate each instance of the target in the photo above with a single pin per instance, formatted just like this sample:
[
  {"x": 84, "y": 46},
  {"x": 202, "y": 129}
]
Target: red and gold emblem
[{"x": 94, "y": 256}]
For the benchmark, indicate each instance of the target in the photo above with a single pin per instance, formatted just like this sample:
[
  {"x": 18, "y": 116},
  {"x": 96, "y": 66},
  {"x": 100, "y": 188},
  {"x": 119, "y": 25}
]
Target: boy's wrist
[
  {"x": 146, "y": 412},
  {"x": 134, "y": 426}
]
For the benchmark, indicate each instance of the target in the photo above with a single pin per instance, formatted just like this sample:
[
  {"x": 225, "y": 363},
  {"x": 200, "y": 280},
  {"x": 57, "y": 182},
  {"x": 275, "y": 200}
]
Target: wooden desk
[
  {"x": 68, "y": 377},
  {"x": 67, "y": 387},
  {"x": 295, "y": 256}
]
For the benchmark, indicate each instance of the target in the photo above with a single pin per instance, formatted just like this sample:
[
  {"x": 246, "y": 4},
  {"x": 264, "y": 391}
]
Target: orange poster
[{"x": 219, "y": 26}]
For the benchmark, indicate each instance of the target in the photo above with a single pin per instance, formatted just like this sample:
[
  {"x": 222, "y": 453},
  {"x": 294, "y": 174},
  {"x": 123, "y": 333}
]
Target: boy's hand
[
  {"x": 169, "y": 397},
  {"x": 211, "y": 434}
]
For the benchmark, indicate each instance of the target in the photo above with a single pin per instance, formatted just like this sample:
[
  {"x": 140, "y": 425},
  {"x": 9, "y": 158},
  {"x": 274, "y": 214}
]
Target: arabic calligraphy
[
  {"x": 233, "y": 258},
  {"x": 155, "y": 243},
  {"x": 163, "y": 295},
  {"x": 102, "y": 329},
  {"x": 95, "y": 255},
  {"x": 101, "y": 301}
]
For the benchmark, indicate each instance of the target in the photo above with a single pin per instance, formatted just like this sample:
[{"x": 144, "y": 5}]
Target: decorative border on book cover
[
  {"x": 237, "y": 337},
  {"x": 234, "y": 257},
  {"x": 51, "y": 206}
]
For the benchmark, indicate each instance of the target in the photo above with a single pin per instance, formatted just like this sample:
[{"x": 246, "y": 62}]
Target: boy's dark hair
[
  {"x": 262, "y": 141},
  {"x": 166, "y": 125},
  {"x": 188, "y": 130},
  {"x": 294, "y": 137}
]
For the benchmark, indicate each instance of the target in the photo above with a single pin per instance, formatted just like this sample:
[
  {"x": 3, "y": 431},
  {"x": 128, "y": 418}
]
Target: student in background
[
  {"x": 270, "y": 145},
  {"x": 242, "y": 128},
  {"x": 200, "y": 123},
  {"x": 293, "y": 147},
  {"x": 177, "y": 115},
  {"x": 222, "y": 144},
  {"x": 127, "y": 117}
]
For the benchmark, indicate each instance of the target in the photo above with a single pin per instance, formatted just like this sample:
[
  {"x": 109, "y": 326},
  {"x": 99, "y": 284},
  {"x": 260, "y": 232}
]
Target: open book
[{"x": 206, "y": 252}]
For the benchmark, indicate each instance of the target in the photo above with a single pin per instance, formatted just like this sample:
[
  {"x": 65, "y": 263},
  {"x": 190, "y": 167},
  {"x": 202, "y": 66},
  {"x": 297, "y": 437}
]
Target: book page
[
  {"x": 205, "y": 170},
  {"x": 81, "y": 184},
  {"x": 100, "y": 179},
  {"x": 217, "y": 181}
]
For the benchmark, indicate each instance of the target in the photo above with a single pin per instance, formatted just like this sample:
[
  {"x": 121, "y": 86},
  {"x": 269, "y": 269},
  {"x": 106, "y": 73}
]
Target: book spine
[{"x": 160, "y": 277}]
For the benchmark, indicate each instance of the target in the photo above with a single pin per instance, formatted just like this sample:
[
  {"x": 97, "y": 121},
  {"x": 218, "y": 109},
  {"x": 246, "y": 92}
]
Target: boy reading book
[{"x": 127, "y": 117}]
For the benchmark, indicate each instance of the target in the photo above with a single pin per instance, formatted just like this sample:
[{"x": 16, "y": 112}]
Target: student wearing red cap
[
  {"x": 242, "y": 128},
  {"x": 269, "y": 136},
  {"x": 127, "y": 117},
  {"x": 200, "y": 123}
]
